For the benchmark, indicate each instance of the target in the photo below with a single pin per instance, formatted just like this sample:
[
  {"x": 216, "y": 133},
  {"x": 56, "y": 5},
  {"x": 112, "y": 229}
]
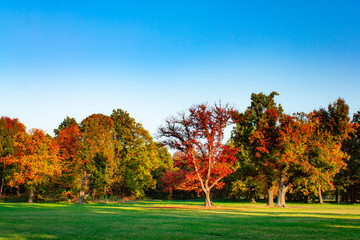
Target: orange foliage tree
[
  {"x": 309, "y": 158},
  {"x": 69, "y": 139},
  {"x": 333, "y": 128},
  {"x": 35, "y": 159},
  {"x": 8, "y": 130},
  {"x": 204, "y": 160}
]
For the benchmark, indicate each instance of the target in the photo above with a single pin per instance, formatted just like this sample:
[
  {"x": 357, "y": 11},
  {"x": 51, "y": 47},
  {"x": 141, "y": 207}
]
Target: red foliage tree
[{"x": 203, "y": 160}]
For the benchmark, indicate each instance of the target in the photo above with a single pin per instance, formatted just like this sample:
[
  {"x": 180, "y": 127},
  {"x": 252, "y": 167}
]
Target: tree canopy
[{"x": 203, "y": 160}]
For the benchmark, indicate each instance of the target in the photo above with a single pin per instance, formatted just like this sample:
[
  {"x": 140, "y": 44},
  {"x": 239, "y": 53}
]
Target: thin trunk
[
  {"x": 170, "y": 194},
  {"x": 338, "y": 197},
  {"x": 117, "y": 192},
  {"x": 279, "y": 200},
  {"x": 82, "y": 188},
  {"x": 354, "y": 194},
  {"x": 347, "y": 195},
  {"x": 31, "y": 195},
  {"x": 351, "y": 193},
  {"x": 320, "y": 194},
  {"x": 2, "y": 185},
  {"x": 270, "y": 200}
]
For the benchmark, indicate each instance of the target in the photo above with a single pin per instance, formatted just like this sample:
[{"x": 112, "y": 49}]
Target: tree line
[
  {"x": 270, "y": 154},
  {"x": 102, "y": 156}
]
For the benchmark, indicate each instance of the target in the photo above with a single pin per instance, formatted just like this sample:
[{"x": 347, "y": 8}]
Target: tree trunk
[
  {"x": 320, "y": 194},
  {"x": 31, "y": 195},
  {"x": 355, "y": 194},
  {"x": 170, "y": 194},
  {"x": 279, "y": 200},
  {"x": 82, "y": 188},
  {"x": 346, "y": 195},
  {"x": 208, "y": 202},
  {"x": 270, "y": 200},
  {"x": 252, "y": 195},
  {"x": 281, "y": 193},
  {"x": 2, "y": 185},
  {"x": 338, "y": 196}
]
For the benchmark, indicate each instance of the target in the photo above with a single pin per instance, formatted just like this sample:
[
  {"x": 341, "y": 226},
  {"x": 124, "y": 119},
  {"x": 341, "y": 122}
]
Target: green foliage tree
[
  {"x": 348, "y": 180},
  {"x": 67, "y": 122},
  {"x": 136, "y": 156},
  {"x": 257, "y": 126},
  {"x": 98, "y": 135},
  {"x": 97, "y": 179},
  {"x": 335, "y": 122},
  {"x": 335, "y": 119}
]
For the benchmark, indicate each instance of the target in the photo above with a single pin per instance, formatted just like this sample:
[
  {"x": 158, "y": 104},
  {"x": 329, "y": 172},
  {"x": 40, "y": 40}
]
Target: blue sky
[{"x": 156, "y": 58}]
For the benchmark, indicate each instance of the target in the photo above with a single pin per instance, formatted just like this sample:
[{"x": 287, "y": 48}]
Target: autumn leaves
[
  {"x": 102, "y": 156},
  {"x": 269, "y": 154}
]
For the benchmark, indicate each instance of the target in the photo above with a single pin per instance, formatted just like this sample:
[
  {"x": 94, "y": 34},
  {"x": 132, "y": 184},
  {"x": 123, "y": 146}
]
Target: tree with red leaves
[
  {"x": 203, "y": 160},
  {"x": 70, "y": 144}
]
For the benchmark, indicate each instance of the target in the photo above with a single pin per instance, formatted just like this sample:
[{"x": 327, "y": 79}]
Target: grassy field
[{"x": 178, "y": 220}]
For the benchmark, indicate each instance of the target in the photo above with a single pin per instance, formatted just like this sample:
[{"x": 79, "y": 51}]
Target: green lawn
[{"x": 178, "y": 220}]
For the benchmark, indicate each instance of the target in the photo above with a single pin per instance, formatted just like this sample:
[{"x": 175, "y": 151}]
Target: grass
[{"x": 178, "y": 220}]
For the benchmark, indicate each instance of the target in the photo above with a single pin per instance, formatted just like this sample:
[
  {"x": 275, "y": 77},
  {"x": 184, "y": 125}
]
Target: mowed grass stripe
[{"x": 174, "y": 220}]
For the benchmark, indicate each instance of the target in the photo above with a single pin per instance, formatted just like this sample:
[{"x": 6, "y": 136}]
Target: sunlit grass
[{"x": 178, "y": 220}]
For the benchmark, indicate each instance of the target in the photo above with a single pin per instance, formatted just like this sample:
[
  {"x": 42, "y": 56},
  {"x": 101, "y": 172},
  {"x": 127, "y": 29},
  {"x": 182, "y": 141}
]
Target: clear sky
[{"x": 156, "y": 58}]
